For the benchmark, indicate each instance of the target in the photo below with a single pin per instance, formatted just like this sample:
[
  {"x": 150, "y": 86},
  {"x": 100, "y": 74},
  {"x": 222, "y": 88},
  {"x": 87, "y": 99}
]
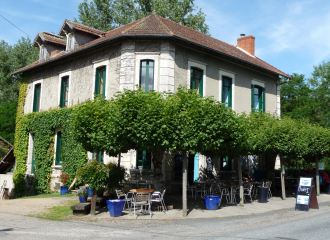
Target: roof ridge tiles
[{"x": 134, "y": 25}]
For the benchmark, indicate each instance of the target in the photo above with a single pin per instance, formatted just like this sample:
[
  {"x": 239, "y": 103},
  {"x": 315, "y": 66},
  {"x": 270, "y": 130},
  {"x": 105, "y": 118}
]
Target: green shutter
[
  {"x": 64, "y": 84},
  {"x": 33, "y": 166},
  {"x": 252, "y": 97},
  {"x": 230, "y": 93},
  {"x": 104, "y": 82},
  {"x": 201, "y": 84},
  {"x": 97, "y": 81},
  {"x": 58, "y": 148},
  {"x": 264, "y": 99},
  {"x": 99, "y": 157},
  {"x": 36, "y": 100},
  {"x": 223, "y": 91}
]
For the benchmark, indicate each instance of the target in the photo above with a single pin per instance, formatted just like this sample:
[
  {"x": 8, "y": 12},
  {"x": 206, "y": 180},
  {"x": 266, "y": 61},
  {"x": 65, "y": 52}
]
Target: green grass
[
  {"x": 57, "y": 213},
  {"x": 49, "y": 195}
]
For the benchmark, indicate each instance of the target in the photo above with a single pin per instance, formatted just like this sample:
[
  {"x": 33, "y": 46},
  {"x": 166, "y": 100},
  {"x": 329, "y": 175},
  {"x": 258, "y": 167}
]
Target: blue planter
[
  {"x": 212, "y": 202},
  {"x": 90, "y": 192},
  {"x": 115, "y": 207},
  {"x": 64, "y": 190},
  {"x": 82, "y": 199}
]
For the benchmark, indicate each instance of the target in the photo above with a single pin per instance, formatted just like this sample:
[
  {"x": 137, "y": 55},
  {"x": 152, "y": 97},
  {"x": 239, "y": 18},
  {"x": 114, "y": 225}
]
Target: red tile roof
[
  {"x": 49, "y": 37},
  {"x": 154, "y": 25}
]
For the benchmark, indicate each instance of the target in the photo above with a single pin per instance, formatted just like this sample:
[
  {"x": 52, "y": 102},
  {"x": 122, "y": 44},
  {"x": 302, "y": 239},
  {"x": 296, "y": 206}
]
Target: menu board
[{"x": 304, "y": 194}]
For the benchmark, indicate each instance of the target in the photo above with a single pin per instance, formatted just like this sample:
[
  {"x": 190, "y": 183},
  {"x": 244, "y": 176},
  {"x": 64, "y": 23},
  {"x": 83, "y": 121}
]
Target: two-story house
[{"x": 156, "y": 54}]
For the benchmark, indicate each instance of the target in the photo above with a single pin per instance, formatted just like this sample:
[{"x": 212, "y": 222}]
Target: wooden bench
[{"x": 81, "y": 208}]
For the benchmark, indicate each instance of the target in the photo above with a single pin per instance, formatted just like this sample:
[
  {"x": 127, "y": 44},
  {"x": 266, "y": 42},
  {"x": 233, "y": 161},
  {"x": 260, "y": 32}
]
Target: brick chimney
[{"x": 247, "y": 43}]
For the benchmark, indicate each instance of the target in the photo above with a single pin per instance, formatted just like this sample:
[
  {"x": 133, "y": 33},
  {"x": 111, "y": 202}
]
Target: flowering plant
[
  {"x": 82, "y": 192},
  {"x": 64, "y": 178}
]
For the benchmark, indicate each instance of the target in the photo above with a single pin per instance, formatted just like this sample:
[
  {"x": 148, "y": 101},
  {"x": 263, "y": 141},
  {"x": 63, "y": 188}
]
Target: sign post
[{"x": 306, "y": 195}]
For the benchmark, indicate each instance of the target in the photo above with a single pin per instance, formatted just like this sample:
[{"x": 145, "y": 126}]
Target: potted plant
[
  {"x": 64, "y": 188},
  {"x": 82, "y": 194}
]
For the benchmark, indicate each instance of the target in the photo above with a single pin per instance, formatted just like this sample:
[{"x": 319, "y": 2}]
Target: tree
[
  {"x": 13, "y": 58},
  {"x": 109, "y": 14},
  {"x": 7, "y": 120}
]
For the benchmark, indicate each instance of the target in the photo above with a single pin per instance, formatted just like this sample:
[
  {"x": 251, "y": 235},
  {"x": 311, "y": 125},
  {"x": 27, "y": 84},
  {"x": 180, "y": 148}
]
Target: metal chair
[
  {"x": 247, "y": 191},
  {"x": 224, "y": 191},
  {"x": 128, "y": 199},
  {"x": 159, "y": 197},
  {"x": 268, "y": 185},
  {"x": 142, "y": 200},
  {"x": 192, "y": 189}
]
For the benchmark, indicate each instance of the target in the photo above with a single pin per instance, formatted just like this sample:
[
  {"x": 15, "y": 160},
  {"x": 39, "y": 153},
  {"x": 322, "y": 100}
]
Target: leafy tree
[
  {"x": 13, "y": 58},
  {"x": 109, "y": 14},
  {"x": 7, "y": 120}
]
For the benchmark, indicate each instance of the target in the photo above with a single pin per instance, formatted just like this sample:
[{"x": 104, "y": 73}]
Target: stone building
[{"x": 154, "y": 53}]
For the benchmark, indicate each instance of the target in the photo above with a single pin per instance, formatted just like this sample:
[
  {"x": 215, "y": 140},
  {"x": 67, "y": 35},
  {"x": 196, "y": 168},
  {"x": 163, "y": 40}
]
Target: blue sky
[{"x": 291, "y": 35}]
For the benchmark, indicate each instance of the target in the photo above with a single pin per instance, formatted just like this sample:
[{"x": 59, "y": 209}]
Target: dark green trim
[
  {"x": 98, "y": 81},
  {"x": 230, "y": 84},
  {"x": 148, "y": 68},
  {"x": 194, "y": 77},
  {"x": 36, "y": 99},
  {"x": 58, "y": 160},
  {"x": 261, "y": 98},
  {"x": 64, "y": 84},
  {"x": 143, "y": 160}
]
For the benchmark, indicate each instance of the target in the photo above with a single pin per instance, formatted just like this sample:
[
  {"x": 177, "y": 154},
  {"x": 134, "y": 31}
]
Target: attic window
[
  {"x": 43, "y": 53},
  {"x": 70, "y": 42}
]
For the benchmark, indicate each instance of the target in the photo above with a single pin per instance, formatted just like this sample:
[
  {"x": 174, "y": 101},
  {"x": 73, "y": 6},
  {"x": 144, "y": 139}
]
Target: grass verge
[
  {"x": 49, "y": 195},
  {"x": 57, "y": 213}
]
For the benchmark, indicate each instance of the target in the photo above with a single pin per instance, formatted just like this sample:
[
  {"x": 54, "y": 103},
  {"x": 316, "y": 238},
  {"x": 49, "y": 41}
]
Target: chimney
[
  {"x": 53, "y": 53},
  {"x": 247, "y": 43}
]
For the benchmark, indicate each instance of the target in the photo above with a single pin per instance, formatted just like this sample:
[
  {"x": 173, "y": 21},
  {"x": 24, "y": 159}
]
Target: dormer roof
[
  {"x": 154, "y": 26},
  {"x": 70, "y": 26},
  {"x": 43, "y": 37}
]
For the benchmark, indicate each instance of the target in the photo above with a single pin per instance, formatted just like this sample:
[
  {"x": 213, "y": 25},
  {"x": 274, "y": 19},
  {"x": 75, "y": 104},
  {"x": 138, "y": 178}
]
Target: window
[
  {"x": 70, "y": 42},
  {"x": 99, "y": 156},
  {"x": 147, "y": 75},
  {"x": 100, "y": 81},
  {"x": 43, "y": 53},
  {"x": 196, "y": 80},
  {"x": 143, "y": 160},
  {"x": 225, "y": 164},
  {"x": 36, "y": 100},
  {"x": 33, "y": 162},
  {"x": 64, "y": 92},
  {"x": 227, "y": 91},
  {"x": 58, "y": 159},
  {"x": 258, "y": 98}
]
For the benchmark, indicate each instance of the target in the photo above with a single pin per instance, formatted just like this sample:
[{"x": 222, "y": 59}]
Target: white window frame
[
  {"x": 258, "y": 83},
  {"x": 146, "y": 56},
  {"x": 43, "y": 53},
  {"x": 34, "y": 85},
  {"x": 55, "y": 145},
  {"x": 69, "y": 42},
  {"x": 60, "y": 76},
  {"x": 200, "y": 65},
  {"x": 96, "y": 65},
  {"x": 30, "y": 152},
  {"x": 232, "y": 75}
]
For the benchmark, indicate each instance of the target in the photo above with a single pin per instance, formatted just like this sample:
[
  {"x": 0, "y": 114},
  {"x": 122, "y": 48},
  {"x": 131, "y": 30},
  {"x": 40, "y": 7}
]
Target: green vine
[{"x": 43, "y": 125}]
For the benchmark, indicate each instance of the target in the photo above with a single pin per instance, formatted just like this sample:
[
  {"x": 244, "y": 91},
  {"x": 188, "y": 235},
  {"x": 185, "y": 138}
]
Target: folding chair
[
  {"x": 128, "y": 199},
  {"x": 247, "y": 188}
]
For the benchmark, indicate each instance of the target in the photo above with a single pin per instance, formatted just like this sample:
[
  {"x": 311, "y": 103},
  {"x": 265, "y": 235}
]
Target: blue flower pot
[
  {"x": 90, "y": 192},
  {"x": 115, "y": 207},
  {"x": 212, "y": 202},
  {"x": 82, "y": 199},
  {"x": 64, "y": 190}
]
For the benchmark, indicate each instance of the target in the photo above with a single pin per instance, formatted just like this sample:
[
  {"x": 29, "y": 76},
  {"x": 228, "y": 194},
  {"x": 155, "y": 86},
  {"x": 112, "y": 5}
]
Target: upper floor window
[
  {"x": 70, "y": 42},
  {"x": 100, "y": 81},
  {"x": 36, "y": 98},
  {"x": 143, "y": 160},
  {"x": 258, "y": 101},
  {"x": 147, "y": 75},
  {"x": 58, "y": 158},
  {"x": 64, "y": 97},
  {"x": 99, "y": 156},
  {"x": 227, "y": 91},
  {"x": 196, "y": 80},
  {"x": 43, "y": 53}
]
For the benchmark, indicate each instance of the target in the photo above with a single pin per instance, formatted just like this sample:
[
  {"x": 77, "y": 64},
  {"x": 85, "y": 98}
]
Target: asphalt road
[{"x": 284, "y": 224}]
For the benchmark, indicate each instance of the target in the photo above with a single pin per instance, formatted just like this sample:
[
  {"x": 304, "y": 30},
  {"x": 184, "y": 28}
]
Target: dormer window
[{"x": 70, "y": 42}]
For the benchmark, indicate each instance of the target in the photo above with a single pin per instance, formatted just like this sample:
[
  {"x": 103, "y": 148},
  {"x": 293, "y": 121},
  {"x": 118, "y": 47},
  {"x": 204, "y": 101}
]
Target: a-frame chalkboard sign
[{"x": 306, "y": 195}]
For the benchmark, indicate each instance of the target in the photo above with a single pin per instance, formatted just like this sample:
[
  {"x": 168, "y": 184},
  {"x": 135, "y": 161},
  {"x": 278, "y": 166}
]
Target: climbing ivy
[{"x": 43, "y": 125}]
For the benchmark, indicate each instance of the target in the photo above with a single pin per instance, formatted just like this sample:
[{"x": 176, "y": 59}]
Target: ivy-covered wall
[{"x": 43, "y": 126}]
